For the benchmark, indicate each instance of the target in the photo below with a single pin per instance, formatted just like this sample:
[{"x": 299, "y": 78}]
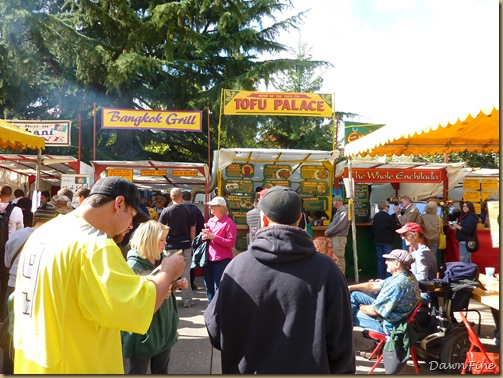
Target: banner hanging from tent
[{"x": 357, "y": 130}]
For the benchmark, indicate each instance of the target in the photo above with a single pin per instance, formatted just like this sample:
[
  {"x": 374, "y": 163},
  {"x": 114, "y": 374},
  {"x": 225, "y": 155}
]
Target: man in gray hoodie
[{"x": 281, "y": 307}]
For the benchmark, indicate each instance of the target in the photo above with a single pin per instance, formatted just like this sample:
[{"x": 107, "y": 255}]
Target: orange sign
[{"x": 277, "y": 103}]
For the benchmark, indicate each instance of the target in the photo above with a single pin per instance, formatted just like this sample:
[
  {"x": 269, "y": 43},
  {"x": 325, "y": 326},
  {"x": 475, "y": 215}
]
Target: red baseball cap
[{"x": 410, "y": 227}]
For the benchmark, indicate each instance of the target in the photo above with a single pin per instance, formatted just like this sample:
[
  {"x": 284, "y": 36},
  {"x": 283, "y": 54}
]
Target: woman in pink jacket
[{"x": 221, "y": 231}]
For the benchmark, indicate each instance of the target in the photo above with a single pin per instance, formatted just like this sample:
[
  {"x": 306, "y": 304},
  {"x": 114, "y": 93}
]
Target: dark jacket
[
  {"x": 162, "y": 332},
  {"x": 383, "y": 228},
  {"x": 468, "y": 226},
  {"x": 282, "y": 308}
]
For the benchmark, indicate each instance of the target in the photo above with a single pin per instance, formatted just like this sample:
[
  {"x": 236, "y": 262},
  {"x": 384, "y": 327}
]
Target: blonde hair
[
  {"x": 323, "y": 245},
  {"x": 145, "y": 239}
]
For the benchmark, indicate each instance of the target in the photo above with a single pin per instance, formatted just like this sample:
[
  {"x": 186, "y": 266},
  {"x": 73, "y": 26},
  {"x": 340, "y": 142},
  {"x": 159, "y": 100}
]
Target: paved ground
[{"x": 193, "y": 354}]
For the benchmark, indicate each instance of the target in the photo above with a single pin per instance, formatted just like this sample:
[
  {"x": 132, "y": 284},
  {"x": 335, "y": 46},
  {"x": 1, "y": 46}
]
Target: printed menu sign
[
  {"x": 275, "y": 171},
  {"x": 314, "y": 187},
  {"x": 240, "y": 170},
  {"x": 316, "y": 172},
  {"x": 239, "y": 217},
  {"x": 315, "y": 203},
  {"x": 270, "y": 183},
  {"x": 240, "y": 202},
  {"x": 239, "y": 186}
]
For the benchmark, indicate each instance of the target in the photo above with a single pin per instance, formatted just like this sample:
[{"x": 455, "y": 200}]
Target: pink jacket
[{"x": 225, "y": 238}]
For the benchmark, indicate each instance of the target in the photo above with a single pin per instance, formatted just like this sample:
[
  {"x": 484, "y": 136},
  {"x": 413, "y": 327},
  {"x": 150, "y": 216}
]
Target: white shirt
[{"x": 15, "y": 218}]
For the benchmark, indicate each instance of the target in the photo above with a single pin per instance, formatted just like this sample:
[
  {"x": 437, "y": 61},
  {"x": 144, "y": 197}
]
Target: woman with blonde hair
[
  {"x": 154, "y": 347},
  {"x": 323, "y": 245}
]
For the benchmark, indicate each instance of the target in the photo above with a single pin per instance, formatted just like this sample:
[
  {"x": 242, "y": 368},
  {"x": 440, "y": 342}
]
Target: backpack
[
  {"x": 4, "y": 228},
  {"x": 453, "y": 272}
]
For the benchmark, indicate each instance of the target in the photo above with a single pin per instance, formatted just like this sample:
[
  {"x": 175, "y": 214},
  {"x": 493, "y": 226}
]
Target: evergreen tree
[{"x": 59, "y": 57}]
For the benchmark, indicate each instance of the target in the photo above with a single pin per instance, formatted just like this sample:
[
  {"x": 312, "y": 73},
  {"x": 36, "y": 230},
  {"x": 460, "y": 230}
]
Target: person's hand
[
  {"x": 208, "y": 236},
  {"x": 173, "y": 265},
  {"x": 182, "y": 283}
]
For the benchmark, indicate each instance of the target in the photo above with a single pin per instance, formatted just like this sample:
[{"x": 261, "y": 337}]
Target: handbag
[
  {"x": 472, "y": 244},
  {"x": 442, "y": 239},
  {"x": 200, "y": 253}
]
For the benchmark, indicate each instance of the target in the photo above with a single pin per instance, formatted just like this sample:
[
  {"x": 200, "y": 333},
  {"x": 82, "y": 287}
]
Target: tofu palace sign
[{"x": 277, "y": 103}]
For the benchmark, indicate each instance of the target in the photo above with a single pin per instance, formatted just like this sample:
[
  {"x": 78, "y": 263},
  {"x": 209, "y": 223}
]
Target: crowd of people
[{"x": 105, "y": 273}]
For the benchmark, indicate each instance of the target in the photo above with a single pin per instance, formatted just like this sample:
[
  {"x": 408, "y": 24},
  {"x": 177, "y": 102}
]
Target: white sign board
[{"x": 55, "y": 133}]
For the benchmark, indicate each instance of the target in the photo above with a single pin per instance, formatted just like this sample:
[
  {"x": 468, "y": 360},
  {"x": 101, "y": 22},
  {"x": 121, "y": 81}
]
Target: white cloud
[{"x": 406, "y": 61}]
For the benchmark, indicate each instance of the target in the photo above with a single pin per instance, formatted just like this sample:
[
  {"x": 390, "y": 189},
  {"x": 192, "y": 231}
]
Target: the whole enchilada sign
[
  {"x": 177, "y": 120},
  {"x": 277, "y": 103}
]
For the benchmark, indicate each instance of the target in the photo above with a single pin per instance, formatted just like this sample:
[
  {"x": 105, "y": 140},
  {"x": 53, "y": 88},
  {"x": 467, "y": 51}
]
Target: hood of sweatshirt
[{"x": 281, "y": 243}]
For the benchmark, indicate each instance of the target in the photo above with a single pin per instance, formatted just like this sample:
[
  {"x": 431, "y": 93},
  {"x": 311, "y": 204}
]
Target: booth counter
[{"x": 486, "y": 256}]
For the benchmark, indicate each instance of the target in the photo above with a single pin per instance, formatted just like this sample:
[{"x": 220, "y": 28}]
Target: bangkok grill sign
[
  {"x": 176, "y": 120},
  {"x": 277, "y": 103}
]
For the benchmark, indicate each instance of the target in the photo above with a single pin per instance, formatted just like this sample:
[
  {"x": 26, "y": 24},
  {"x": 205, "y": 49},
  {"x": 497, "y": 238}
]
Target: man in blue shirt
[{"x": 397, "y": 296}]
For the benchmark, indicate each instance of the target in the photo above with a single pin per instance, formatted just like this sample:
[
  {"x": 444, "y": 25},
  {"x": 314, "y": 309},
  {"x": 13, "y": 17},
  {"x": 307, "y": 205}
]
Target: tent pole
[
  {"x": 351, "y": 210},
  {"x": 39, "y": 161}
]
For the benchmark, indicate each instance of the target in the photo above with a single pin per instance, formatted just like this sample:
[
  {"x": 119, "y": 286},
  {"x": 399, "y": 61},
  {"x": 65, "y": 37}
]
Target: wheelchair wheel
[{"x": 453, "y": 351}]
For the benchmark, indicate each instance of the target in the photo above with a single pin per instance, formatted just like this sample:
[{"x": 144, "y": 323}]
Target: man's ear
[
  {"x": 264, "y": 221},
  {"x": 119, "y": 202}
]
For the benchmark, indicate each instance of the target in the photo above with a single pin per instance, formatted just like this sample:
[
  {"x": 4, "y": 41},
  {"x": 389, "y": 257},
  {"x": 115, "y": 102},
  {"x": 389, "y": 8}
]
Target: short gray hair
[{"x": 381, "y": 205}]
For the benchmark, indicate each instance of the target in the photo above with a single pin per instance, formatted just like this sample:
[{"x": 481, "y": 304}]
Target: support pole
[
  {"x": 351, "y": 210},
  {"x": 94, "y": 133},
  {"x": 80, "y": 145}
]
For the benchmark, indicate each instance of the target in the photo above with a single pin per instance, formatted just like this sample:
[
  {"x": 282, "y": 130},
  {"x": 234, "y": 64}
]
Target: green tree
[
  {"x": 300, "y": 132},
  {"x": 58, "y": 57}
]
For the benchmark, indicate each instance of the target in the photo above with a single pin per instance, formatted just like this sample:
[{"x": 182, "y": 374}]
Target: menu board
[
  {"x": 315, "y": 203},
  {"x": 270, "y": 183},
  {"x": 471, "y": 184},
  {"x": 276, "y": 171},
  {"x": 240, "y": 202},
  {"x": 487, "y": 193},
  {"x": 241, "y": 244},
  {"x": 239, "y": 217},
  {"x": 361, "y": 204},
  {"x": 313, "y": 172},
  {"x": 240, "y": 170},
  {"x": 239, "y": 186},
  {"x": 490, "y": 184},
  {"x": 314, "y": 188},
  {"x": 471, "y": 196}
]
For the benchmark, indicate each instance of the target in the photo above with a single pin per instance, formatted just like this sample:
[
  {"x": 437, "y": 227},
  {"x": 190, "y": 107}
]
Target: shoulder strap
[{"x": 18, "y": 252}]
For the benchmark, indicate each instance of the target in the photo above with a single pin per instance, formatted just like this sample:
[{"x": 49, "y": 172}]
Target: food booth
[
  {"x": 478, "y": 132},
  {"x": 375, "y": 181},
  {"x": 309, "y": 172},
  {"x": 13, "y": 137}
]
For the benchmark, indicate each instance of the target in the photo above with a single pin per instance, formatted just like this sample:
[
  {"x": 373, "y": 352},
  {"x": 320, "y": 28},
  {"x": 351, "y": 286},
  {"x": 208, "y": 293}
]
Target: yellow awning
[
  {"x": 13, "y": 137},
  {"x": 476, "y": 133}
]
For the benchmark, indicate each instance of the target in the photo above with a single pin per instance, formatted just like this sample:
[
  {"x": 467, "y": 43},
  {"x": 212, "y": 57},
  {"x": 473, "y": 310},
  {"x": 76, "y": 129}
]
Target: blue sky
[{"x": 405, "y": 61}]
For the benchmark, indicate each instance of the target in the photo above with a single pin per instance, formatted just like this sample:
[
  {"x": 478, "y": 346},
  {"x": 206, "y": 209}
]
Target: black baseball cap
[
  {"x": 115, "y": 186},
  {"x": 281, "y": 205}
]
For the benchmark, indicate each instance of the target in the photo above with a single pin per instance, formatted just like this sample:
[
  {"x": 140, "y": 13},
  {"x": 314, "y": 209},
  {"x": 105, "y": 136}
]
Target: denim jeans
[
  {"x": 212, "y": 273},
  {"x": 382, "y": 249},
  {"x": 361, "y": 319},
  {"x": 464, "y": 255}
]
